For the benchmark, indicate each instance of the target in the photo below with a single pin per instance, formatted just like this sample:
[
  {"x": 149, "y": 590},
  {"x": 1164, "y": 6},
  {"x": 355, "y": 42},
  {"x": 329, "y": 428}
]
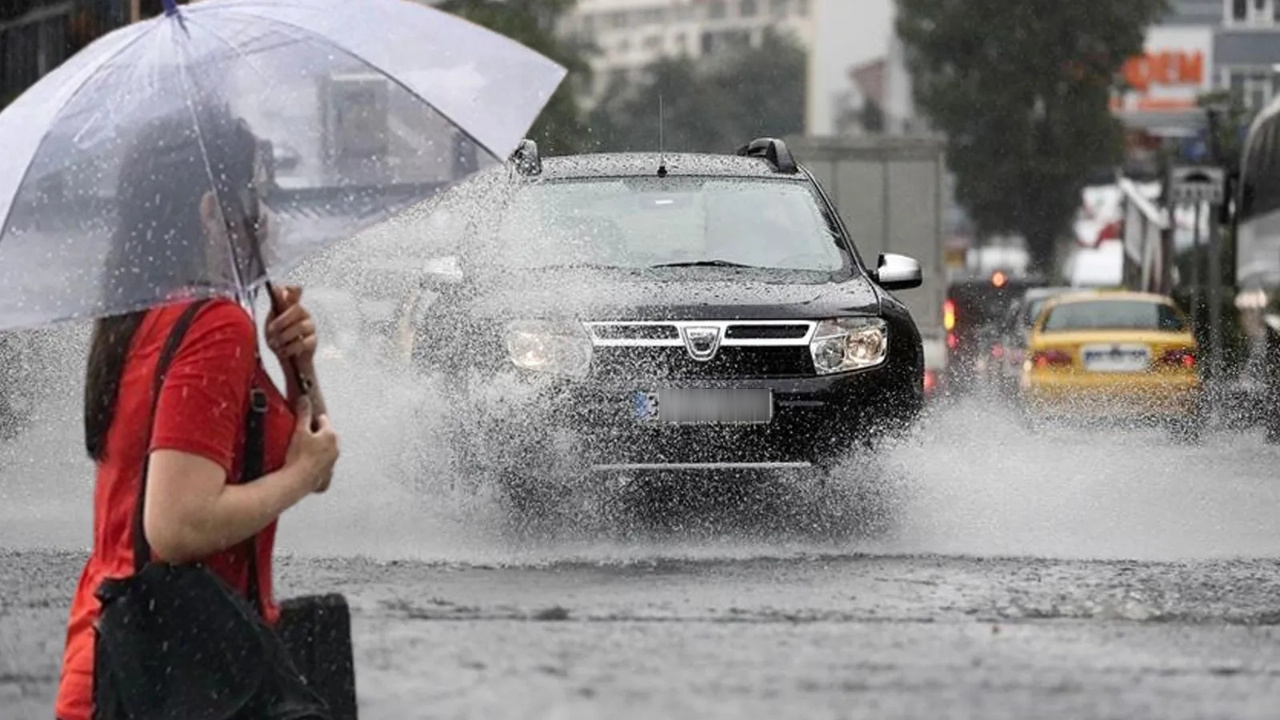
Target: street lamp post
[{"x": 1215, "y": 256}]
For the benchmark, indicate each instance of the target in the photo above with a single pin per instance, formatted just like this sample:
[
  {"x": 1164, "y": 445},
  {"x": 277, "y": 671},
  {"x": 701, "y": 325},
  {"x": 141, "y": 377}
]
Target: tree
[
  {"x": 714, "y": 105},
  {"x": 560, "y": 128},
  {"x": 1022, "y": 92},
  {"x": 1229, "y": 120}
]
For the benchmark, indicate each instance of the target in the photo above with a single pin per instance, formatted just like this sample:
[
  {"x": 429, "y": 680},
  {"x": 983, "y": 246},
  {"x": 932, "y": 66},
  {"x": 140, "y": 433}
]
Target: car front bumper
[
  {"x": 1123, "y": 396},
  {"x": 594, "y": 423}
]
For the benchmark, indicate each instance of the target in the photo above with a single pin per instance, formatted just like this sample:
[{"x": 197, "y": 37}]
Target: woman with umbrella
[
  {"x": 196, "y": 509},
  {"x": 130, "y": 192}
]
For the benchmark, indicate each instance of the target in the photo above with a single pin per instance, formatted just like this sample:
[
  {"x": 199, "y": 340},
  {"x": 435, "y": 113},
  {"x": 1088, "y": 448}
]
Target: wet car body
[
  {"x": 1010, "y": 351},
  {"x": 974, "y": 316},
  {"x": 732, "y": 347},
  {"x": 1105, "y": 361}
]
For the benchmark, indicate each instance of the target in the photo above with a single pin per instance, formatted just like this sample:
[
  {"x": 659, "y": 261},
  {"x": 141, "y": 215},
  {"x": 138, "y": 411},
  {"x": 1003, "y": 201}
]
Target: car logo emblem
[{"x": 702, "y": 342}]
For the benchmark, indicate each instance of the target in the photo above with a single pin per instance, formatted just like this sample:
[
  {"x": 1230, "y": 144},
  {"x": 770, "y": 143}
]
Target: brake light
[
  {"x": 997, "y": 352},
  {"x": 1050, "y": 358},
  {"x": 952, "y": 342},
  {"x": 1179, "y": 358},
  {"x": 998, "y": 279},
  {"x": 930, "y": 381},
  {"x": 949, "y": 315}
]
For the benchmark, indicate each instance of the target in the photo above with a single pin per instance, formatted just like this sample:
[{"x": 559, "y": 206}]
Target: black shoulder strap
[
  {"x": 142, "y": 548},
  {"x": 252, "y": 466},
  {"x": 254, "y": 451}
]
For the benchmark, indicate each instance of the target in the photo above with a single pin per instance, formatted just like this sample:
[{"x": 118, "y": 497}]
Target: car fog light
[{"x": 846, "y": 344}]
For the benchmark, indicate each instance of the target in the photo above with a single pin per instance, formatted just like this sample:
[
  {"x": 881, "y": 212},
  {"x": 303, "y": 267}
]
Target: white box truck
[{"x": 889, "y": 191}]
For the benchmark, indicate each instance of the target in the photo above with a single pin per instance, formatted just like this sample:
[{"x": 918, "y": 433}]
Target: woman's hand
[
  {"x": 292, "y": 333},
  {"x": 314, "y": 448}
]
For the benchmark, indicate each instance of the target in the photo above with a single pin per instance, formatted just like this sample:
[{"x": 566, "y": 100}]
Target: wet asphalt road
[
  {"x": 1088, "y": 574},
  {"x": 836, "y": 636}
]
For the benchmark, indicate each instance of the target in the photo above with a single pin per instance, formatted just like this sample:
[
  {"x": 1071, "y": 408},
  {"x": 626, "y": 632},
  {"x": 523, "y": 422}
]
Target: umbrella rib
[
  {"x": 213, "y": 181},
  {"x": 326, "y": 41},
  {"x": 44, "y": 137},
  {"x": 234, "y": 48}
]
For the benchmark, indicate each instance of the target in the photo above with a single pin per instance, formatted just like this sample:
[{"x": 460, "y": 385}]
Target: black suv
[{"x": 624, "y": 313}]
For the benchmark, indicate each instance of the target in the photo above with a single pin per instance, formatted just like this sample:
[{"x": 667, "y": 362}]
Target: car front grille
[{"x": 744, "y": 349}]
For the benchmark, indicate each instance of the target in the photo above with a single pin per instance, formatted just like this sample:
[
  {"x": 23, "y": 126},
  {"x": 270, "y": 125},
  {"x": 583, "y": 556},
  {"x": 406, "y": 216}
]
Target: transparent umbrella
[{"x": 208, "y": 149}]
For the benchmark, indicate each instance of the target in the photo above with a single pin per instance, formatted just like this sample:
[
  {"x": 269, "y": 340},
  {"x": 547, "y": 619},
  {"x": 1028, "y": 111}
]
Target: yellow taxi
[{"x": 1113, "y": 355}]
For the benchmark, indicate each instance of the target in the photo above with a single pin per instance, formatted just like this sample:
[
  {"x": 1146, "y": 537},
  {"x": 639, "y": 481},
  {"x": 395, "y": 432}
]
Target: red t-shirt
[{"x": 201, "y": 411}]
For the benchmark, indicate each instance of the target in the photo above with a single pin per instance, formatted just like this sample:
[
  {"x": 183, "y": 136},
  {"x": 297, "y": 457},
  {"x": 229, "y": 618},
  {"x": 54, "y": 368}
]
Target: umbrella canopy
[{"x": 205, "y": 149}]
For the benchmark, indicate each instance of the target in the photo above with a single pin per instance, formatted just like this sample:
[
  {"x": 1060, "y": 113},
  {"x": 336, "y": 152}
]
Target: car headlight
[
  {"x": 846, "y": 344},
  {"x": 555, "y": 348}
]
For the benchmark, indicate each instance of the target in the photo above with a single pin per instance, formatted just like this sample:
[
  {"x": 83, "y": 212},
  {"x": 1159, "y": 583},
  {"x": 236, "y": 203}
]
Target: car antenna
[{"x": 662, "y": 148}]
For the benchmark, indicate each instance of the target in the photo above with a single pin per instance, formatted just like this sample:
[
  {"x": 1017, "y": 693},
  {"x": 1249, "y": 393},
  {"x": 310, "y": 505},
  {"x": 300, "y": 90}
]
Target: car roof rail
[
  {"x": 526, "y": 158},
  {"x": 773, "y": 150}
]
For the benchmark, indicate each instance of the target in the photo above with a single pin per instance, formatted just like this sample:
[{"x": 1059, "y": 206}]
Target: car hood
[{"x": 669, "y": 294}]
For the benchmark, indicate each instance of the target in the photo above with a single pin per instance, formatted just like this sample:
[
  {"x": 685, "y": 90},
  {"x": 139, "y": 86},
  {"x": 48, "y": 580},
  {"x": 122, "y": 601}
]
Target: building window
[
  {"x": 1236, "y": 85},
  {"x": 653, "y": 43},
  {"x": 749, "y": 8},
  {"x": 1251, "y": 12},
  {"x": 717, "y": 10},
  {"x": 802, "y": 8},
  {"x": 779, "y": 8},
  {"x": 1254, "y": 88}
]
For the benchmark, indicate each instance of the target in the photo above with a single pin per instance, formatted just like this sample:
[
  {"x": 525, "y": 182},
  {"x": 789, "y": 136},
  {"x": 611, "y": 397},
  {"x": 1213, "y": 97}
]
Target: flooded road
[
  {"x": 1082, "y": 574},
  {"x": 800, "y": 636}
]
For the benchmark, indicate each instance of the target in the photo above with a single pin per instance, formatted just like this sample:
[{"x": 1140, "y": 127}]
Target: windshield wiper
[{"x": 706, "y": 263}]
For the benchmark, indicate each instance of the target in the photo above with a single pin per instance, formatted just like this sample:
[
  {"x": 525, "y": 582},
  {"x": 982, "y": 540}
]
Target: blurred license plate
[
  {"x": 1116, "y": 358},
  {"x": 704, "y": 406}
]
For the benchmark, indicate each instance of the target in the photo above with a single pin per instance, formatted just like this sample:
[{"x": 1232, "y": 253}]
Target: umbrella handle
[{"x": 304, "y": 382}]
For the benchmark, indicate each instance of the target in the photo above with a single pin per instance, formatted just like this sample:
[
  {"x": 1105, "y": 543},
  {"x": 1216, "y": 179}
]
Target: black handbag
[
  {"x": 316, "y": 629},
  {"x": 175, "y": 642}
]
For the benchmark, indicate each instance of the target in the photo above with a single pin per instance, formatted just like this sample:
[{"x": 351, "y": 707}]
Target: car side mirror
[
  {"x": 441, "y": 271},
  {"x": 898, "y": 272}
]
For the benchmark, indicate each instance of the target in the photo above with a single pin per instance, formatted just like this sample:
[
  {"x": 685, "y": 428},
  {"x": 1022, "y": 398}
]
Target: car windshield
[
  {"x": 646, "y": 222},
  {"x": 1033, "y": 310},
  {"x": 1114, "y": 315}
]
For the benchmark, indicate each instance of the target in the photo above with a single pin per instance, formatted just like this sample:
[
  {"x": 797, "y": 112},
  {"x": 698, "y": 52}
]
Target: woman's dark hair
[{"x": 160, "y": 245}]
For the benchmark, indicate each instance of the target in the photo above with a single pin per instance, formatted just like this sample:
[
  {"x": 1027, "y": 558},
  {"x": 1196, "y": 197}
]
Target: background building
[
  {"x": 631, "y": 34},
  {"x": 36, "y": 36},
  {"x": 1247, "y": 50},
  {"x": 1203, "y": 46}
]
